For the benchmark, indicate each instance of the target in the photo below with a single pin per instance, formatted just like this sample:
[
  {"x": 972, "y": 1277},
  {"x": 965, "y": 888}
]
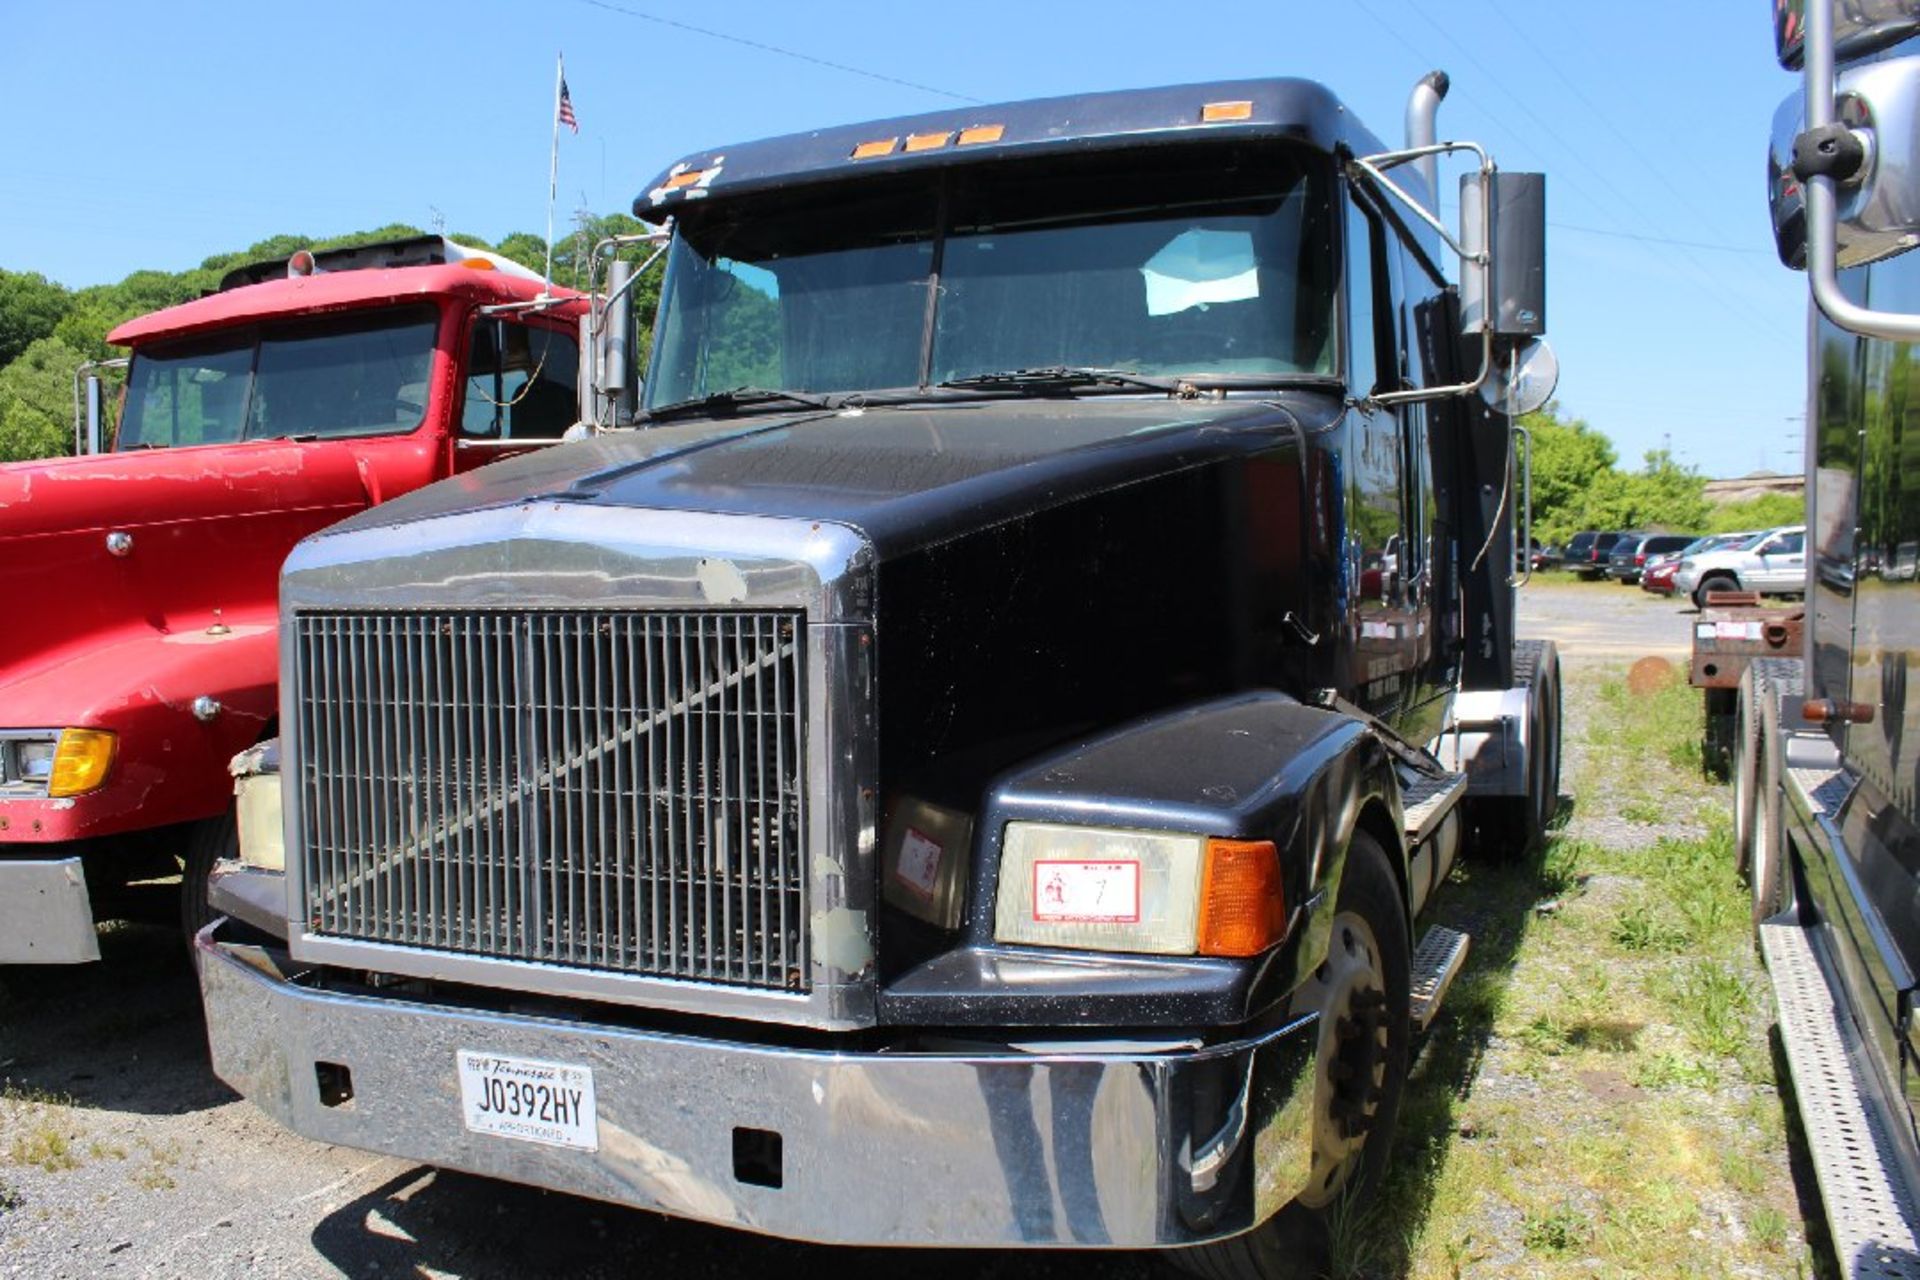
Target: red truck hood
[{"x": 206, "y": 530}]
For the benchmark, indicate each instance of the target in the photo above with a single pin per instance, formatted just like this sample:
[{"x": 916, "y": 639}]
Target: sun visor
[{"x": 1201, "y": 266}]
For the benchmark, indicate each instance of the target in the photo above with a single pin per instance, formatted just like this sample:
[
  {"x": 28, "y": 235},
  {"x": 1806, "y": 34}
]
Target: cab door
[
  {"x": 1384, "y": 569},
  {"x": 518, "y": 389}
]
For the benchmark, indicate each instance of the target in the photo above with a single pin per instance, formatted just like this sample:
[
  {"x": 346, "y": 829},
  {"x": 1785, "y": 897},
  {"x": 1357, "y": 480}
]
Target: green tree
[
  {"x": 1569, "y": 459},
  {"x": 30, "y": 306},
  {"x": 97, "y": 310},
  {"x": 36, "y": 401},
  {"x": 1762, "y": 512}
]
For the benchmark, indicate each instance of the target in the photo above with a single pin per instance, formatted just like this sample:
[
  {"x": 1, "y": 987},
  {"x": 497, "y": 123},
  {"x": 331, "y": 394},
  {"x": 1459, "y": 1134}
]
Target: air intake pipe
[{"x": 1422, "y": 106}]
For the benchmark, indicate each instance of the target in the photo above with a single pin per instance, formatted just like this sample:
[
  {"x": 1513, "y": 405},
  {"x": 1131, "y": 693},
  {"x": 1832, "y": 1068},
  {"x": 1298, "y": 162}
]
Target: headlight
[
  {"x": 262, "y": 842},
  {"x": 81, "y": 762},
  {"x": 1164, "y": 893},
  {"x": 32, "y": 761}
]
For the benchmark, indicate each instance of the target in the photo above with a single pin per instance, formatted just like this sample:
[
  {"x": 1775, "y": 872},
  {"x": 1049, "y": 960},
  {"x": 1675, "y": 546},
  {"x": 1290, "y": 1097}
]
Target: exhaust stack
[{"x": 1423, "y": 104}]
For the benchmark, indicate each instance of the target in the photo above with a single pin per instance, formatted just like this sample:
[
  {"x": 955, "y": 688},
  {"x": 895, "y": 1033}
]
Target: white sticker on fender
[
  {"x": 546, "y": 1102},
  {"x": 1086, "y": 892}
]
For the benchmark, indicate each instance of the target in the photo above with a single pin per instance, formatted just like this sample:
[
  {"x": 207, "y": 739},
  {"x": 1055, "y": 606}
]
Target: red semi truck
[{"x": 138, "y": 636}]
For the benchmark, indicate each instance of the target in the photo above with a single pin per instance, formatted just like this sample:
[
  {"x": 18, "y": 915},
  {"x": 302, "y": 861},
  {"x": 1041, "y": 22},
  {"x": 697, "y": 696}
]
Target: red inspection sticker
[
  {"x": 1086, "y": 892},
  {"x": 919, "y": 865}
]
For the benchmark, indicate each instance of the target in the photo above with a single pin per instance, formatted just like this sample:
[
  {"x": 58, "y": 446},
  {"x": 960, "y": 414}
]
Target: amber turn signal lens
[
  {"x": 81, "y": 762},
  {"x": 1243, "y": 907}
]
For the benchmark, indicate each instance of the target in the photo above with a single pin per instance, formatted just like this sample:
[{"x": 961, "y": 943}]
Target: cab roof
[
  {"x": 335, "y": 291},
  {"x": 1297, "y": 111}
]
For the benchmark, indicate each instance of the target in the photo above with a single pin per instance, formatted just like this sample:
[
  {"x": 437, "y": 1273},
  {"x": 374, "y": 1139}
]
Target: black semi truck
[
  {"x": 1827, "y": 738},
  {"x": 964, "y": 763}
]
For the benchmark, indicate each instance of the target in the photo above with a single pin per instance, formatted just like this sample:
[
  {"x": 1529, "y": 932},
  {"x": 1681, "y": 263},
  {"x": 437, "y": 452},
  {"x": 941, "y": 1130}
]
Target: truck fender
[
  {"x": 1251, "y": 766},
  {"x": 172, "y": 760}
]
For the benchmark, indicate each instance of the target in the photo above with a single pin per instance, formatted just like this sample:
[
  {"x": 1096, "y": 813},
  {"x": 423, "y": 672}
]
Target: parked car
[
  {"x": 1631, "y": 553},
  {"x": 1772, "y": 563},
  {"x": 1658, "y": 573},
  {"x": 1657, "y": 577},
  {"x": 1551, "y": 556},
  {"x": 1587, "y": 553}
]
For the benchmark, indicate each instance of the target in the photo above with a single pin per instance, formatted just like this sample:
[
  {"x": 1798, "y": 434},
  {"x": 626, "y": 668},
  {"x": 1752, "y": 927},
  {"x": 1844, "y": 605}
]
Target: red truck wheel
[{"x": 208, "y": 841}]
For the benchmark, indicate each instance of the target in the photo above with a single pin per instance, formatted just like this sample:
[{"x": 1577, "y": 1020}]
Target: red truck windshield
[{"x": 363, "y": 374}]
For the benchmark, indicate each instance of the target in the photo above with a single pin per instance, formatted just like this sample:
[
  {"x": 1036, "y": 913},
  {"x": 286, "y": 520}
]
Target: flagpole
[{"x": 553, "y": 163}]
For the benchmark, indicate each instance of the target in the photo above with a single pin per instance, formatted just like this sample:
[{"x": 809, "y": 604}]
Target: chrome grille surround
[{"x": 536, "y": 575}]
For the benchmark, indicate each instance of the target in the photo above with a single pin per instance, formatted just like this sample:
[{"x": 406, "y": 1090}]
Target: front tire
[
  {"x": 208, "y": 841},
  {"x": 1361, "y": 995}
]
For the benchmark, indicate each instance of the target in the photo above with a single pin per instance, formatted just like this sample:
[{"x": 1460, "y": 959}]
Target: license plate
[{"x": 545, "y": 1102}]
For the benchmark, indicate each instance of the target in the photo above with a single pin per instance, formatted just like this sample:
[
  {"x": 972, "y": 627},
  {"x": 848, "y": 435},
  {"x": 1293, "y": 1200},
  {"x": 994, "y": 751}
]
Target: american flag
[{"x": 567, "y": 117}]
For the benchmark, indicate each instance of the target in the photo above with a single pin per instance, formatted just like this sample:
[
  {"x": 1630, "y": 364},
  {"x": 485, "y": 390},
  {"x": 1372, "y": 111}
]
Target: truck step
[
  {"x": 1425, "y": 799},
  {"x": 1436, "y": 962},
  {"x": 1870, "y": 1209}
]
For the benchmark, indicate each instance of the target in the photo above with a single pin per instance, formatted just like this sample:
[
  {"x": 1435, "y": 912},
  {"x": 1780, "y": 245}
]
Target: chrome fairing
[{"x": 558, "y": 555}]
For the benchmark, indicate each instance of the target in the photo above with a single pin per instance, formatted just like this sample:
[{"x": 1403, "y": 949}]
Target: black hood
[{"x": 904, "y": 476}]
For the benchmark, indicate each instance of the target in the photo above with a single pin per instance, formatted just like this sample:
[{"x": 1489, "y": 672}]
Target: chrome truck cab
[
  {"x": 1827, "y": 746},
  {"x": 964, "y": 768}
]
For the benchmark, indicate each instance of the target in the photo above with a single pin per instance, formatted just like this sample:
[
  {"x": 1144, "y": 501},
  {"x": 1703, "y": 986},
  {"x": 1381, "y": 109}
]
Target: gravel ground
[{"x": 120, "y": 1155}]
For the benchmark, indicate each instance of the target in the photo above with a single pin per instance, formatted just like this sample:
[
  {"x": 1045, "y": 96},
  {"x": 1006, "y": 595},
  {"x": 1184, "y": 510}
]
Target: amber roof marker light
[{"x": 1216, "y": 112}]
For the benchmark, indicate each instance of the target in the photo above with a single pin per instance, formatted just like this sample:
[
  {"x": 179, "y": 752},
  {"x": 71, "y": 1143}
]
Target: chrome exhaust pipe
[{"x": 1422, "y": 106}]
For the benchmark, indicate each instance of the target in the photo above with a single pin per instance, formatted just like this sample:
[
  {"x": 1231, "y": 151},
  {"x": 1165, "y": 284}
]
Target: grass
[{"x": 1597, "y": 1096}]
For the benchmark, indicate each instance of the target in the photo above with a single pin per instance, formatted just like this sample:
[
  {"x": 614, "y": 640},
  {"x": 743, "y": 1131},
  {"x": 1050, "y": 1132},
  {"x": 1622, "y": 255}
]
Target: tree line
[
  {"x": 48, "y": 330},
  {"x": 1579, "y": 484}
]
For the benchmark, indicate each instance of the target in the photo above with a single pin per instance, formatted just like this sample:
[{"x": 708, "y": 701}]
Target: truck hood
[
  {"x": 121, "y": 490},
  {"x": 905, "y": 476}
]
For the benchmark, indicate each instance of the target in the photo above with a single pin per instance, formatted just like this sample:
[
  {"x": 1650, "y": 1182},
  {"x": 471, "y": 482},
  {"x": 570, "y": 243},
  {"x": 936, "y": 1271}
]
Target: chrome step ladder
[
  {"x": 1436, "y": 963},
  {"x": 1870, "y": 1210}
]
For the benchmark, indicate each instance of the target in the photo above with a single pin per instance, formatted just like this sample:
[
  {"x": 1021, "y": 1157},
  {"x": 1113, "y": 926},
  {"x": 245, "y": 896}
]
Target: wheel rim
[{"x": 1349, "y": 992}]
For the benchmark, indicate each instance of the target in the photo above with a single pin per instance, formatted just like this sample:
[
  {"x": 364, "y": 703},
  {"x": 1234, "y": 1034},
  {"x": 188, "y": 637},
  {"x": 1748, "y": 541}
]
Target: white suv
[{"x": 1772, "y": 563}]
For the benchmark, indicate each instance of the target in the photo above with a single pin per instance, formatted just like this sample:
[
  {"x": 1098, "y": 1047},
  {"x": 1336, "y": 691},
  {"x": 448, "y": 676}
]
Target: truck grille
[{"x": 607, "y": 790}]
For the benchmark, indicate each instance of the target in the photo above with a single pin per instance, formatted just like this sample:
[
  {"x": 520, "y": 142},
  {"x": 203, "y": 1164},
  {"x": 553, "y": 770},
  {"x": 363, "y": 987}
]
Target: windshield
[
  {"x": 365, "y": 374},
  {"x": 1213, "y": 264}
]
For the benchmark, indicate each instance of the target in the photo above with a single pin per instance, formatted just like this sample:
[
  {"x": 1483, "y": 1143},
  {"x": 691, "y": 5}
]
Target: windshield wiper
[
  {"x": 1057, "y": 378},
  {"x": 738, "y": 396}
]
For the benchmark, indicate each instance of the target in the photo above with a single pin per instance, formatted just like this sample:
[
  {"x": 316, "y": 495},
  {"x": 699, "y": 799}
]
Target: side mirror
[
  {"x": 619, "y": 363},
  {"x": 1860, "y": 28},
  {"x": 1508, "y": 294},
  {"x": 95, "y": 413},
  {"x": 1872, "y": 153}
]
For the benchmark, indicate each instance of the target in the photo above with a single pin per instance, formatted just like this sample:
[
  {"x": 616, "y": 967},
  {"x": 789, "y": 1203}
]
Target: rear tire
[
  {"x": 1361, "y": 994},
  {"x": 1510, "y": 827},
  {"x": 1773, "y": 681}
]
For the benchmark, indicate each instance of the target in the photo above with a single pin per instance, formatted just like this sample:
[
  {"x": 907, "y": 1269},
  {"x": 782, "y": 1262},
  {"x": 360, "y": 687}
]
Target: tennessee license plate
[{"x": 545, "y": 1102}]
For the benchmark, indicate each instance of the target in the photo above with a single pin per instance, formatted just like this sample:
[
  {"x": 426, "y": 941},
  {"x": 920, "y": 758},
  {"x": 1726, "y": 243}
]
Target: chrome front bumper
[
  {"x": 45, "y": 914},
  {"x": 1090, "y": 1146}
]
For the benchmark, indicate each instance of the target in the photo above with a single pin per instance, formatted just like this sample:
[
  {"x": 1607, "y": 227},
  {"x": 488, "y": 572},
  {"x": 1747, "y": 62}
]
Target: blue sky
[{"x": 154, "y": 135}]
